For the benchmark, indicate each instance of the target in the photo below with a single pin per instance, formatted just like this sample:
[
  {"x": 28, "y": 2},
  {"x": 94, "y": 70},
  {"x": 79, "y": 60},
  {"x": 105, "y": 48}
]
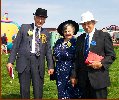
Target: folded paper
[
  {"x": 93, "y": 57},
  {"x": 11, "y": 72}
]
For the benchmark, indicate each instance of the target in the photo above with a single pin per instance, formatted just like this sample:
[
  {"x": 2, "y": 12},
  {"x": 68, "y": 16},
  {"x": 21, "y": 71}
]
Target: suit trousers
[
  {"x": 90, "y": 93},
  {"x": 31, "y": 73}
]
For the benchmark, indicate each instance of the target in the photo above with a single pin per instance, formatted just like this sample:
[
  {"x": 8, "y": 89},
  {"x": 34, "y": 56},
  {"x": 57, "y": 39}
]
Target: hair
[
  {"x": 93, "y": 21},
  {"x": 66, "y": 25}
]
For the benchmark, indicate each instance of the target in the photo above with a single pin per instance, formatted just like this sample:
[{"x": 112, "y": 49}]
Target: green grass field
[{"x": 11, "y": 90}]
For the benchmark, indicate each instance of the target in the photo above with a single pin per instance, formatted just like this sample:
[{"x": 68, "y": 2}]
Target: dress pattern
[{"x": 64, "y": 55}]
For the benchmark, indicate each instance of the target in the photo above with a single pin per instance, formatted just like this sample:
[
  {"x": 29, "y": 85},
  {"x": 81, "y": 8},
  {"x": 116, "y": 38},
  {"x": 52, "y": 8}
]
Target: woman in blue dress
[{"x": 63, "y": 54}]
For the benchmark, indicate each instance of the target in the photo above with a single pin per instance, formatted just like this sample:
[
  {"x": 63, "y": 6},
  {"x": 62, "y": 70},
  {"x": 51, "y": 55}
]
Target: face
[
  {"x": 68, "y": 32},
  {"x": 88, "y": 26},
  {"x": 39, "y": 21}
]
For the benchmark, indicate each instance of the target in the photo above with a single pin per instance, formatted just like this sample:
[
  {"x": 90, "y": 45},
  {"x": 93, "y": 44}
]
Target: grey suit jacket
[
  {"x": 23, "y": 45},
  {"x": 99, "y": 78}
]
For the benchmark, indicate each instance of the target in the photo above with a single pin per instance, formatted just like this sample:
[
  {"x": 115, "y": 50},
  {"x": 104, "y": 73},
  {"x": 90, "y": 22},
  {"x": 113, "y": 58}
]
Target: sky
[{"x": 58, "y": 11}]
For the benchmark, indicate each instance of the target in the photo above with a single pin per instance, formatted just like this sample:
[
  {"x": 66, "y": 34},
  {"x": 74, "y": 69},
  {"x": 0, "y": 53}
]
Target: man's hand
[
  {"x": 8, "y": 66},
  {"x": 50, "y": 71},
  {"x": 73, "y": 81},
  {"x": 96, "y": 65}
]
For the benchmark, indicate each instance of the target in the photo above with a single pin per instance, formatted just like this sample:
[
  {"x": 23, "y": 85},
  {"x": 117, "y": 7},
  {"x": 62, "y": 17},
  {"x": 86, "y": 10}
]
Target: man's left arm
[
  {"x": 49, "y": 57},
  {"x": 110, "y": 55}
]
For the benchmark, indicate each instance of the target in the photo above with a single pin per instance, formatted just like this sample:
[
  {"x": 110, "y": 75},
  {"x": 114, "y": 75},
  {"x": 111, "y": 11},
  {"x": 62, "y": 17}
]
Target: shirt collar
[
  {"x": 91, "y": 33},
  {"x": 36, "y": 27}
]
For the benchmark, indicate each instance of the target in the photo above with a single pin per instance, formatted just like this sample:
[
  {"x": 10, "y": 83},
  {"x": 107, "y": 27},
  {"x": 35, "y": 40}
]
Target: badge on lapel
[
  {"x": 43, "y": 38},
  {"x": 93, "y": 43},
  {"x": 68, "y": 44}
]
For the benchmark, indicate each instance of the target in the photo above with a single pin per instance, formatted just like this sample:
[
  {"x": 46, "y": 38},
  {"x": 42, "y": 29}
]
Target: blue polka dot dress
[{"x": 64, "y": 54}]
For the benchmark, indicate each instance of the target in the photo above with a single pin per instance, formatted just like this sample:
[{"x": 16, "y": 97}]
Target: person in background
[
  {"x": 63, "y": 55},
  {"x": 4, "y": 44},
  {"x": 30, "y": 48},
  {"x": 93, "y": 78}
]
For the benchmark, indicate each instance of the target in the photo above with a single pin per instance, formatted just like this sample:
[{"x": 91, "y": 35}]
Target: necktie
[
  {"x": 86, "y": 46},
  {"x": 37, "y": 43}
]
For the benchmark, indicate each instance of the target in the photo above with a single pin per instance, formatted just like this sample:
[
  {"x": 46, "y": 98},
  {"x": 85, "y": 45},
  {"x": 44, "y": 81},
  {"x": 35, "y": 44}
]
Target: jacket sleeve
[
  {"x": 109, "y": 51},
  {"x": 49, "y": 56},
  {"x": 15, "y": 47},
  {"x": 76, "y": 61}
]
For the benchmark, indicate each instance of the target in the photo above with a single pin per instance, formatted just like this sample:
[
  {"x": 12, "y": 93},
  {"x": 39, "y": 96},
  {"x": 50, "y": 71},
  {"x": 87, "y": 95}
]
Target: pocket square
[{"x": 93, "y": 57}]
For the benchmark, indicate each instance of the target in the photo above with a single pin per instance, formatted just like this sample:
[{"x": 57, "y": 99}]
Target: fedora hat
[
  {"x": 87, "y": 16},
  {"x": 61, "y": 26},
  {"x": 41, "y": 12}
]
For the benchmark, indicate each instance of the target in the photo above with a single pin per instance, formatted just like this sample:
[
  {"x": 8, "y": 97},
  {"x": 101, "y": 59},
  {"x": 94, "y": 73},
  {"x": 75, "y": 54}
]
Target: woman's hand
[
  {"x": 73, "y": 81},
  {"x": 50, "y": 71}
]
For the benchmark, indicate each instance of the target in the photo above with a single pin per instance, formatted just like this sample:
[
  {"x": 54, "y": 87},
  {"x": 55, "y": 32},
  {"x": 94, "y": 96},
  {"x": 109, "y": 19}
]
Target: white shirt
[
  {"x": 33, "y": 40},
  {"x": 91, "y": 36}
]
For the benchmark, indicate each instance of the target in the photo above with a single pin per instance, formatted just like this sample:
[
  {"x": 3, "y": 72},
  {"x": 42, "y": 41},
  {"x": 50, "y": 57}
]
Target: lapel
[
  {"x": 42, "y": 34},
  {"x": 81, "y": 43},
  {"x": 94, "y": 38},
  {"x": 31, "y": 28},
  {"x": 84, "y": 43}
]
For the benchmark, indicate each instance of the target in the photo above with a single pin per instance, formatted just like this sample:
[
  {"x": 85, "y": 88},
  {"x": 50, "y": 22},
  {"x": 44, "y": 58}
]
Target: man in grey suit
[
  {"x": 30, "y": 48},
  {"x": 93, "y": 77}
]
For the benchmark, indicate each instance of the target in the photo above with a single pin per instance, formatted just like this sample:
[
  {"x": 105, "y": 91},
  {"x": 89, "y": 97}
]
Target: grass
[
  {"x": 113, "y": 90},
  {"x": 11, "y": 90}
]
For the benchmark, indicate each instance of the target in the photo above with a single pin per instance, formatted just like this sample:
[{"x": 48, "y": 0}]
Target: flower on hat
[{"x": 30, "y": 33}]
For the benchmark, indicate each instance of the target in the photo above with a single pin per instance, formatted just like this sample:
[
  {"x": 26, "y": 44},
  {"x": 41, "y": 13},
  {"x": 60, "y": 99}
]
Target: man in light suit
[
  {"x": 93, "y": 78},
  {"x": 29, "y": 53}
]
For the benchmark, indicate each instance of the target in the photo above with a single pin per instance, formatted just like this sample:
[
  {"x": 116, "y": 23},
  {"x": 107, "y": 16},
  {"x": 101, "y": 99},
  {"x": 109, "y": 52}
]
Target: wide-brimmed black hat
[
  {"x": 60, "y": 27},
  {"x": 41, "y": 12}
]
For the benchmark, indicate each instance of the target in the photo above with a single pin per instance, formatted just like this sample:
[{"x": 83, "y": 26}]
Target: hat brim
[
  {"x": 60, "y": 27},
  {"x": 40, "y": 15},
  {"x": 81, "y": 22}
]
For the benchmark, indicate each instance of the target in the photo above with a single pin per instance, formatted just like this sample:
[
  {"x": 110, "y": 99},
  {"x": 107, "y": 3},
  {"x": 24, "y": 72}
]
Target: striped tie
[
  {"x": 86, "y": 46},
  {"x": 37, "y": 43}
]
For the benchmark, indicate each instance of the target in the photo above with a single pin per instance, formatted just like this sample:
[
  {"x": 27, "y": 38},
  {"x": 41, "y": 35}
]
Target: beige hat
[{"x": 87, "y": 16}]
